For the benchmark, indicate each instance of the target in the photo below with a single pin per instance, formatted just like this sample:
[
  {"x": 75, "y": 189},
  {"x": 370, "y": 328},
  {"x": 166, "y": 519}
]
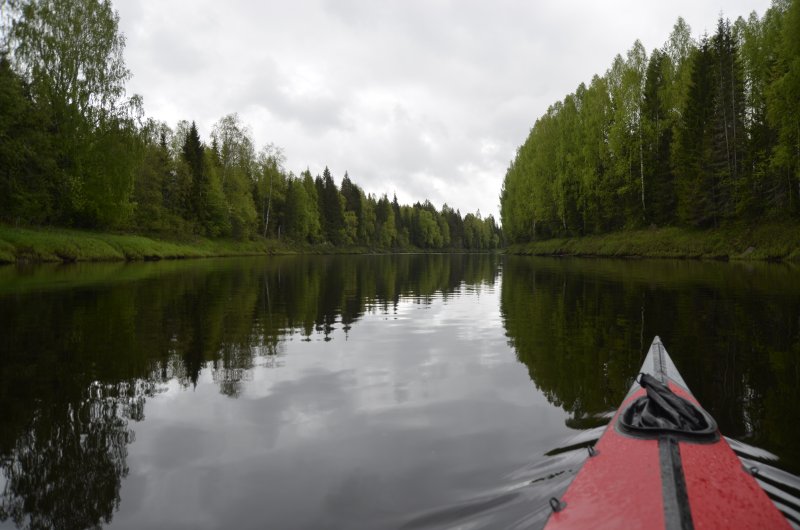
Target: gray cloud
[{"x": 428, "y": 99}]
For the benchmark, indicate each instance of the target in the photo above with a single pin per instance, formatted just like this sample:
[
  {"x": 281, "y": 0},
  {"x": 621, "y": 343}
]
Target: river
[{"x": 415, "y": 391}]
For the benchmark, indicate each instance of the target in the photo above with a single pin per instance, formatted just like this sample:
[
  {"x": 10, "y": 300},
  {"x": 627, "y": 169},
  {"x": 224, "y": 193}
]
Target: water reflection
[
  {"x": 65, "y": 466},
  {"x": 364, "y": 391},
  {"x": 582, "y": 327},
  {"x": 83, "y": 348}
]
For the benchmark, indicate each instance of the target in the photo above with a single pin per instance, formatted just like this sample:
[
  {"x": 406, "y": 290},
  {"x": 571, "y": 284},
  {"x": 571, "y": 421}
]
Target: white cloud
[{"x": 428, "y": 99}]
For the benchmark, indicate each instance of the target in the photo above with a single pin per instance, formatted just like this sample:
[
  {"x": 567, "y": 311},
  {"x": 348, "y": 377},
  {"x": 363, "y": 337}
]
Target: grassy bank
[
  {"x": 769, "y": 241},
  {"x": 46, "y": 245},
  {"x": 61, "y": 245}
]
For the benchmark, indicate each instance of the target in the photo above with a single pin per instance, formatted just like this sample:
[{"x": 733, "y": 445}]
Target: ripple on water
[{"x": 522, "y": 500}]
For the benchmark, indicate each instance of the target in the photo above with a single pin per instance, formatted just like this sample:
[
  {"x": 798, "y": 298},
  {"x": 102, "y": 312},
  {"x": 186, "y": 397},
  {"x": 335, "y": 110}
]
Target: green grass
[
  {"x": 62, "y": 245},
  {"x": 43, "y": 245},
  {"x": 767, "y": 241}
]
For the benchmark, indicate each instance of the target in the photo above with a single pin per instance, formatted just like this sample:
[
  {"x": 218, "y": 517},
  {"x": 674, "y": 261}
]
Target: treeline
[
  {"x": 698, "y": 134},
  {"x": 227, "y": 189},
  {"x": 76, "y": 152}
]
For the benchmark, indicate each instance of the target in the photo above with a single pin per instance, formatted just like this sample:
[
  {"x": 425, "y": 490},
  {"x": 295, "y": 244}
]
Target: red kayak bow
[{"x": 661, "y": 463}]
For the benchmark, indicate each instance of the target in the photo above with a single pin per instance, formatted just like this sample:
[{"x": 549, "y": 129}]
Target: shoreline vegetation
[
  {"x": 78, "y": 152},
  {"x": 776, "y": 241},
  {"x": 47, "y": 245},
  {"x": 54, "y": 245},
  {"x": 701, "y": 133}
]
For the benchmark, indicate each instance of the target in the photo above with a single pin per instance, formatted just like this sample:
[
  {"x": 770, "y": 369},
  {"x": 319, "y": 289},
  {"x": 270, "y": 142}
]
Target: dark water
[{"x": 366, "y": 392}]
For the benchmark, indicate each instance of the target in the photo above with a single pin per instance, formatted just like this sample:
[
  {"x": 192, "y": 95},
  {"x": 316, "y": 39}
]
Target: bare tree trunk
[
  {"x": 733, "y": 109},
  {"x": 641, "y": 162},
  {"x": 724, "y": 117},
  {"x": 584, "y": 216},
  {"x": 796, "y": 171},
  {"x": 269, "y": 204}
]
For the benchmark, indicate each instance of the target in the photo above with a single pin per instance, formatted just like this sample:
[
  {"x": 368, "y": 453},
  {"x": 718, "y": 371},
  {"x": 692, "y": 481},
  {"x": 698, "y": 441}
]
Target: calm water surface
[{"x": 366, "y": 392}]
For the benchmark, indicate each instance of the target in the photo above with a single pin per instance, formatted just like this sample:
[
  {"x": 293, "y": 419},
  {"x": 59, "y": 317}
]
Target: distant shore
[
  {"x": 775, "y": 241},
  {"x": 54, "y": 245},
  {"x": 42, "y": 245}
]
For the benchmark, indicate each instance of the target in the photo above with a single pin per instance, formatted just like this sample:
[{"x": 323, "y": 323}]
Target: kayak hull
[{"x": 663, "y": 482}]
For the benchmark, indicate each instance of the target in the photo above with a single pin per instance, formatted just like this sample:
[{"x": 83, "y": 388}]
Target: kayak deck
[{"x": 666, "y": 481}]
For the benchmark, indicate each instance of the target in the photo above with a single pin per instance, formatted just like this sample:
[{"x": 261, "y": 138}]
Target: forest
[
  {"x": 701, "y": 133},
  {"x": 77, "y": 151}
]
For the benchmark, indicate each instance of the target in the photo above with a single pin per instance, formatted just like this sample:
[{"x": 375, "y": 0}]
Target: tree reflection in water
[
  {"x": 83, "y": 347},
  {"x": 582, "y": 327},
  {"x": 65, "y": 469}
]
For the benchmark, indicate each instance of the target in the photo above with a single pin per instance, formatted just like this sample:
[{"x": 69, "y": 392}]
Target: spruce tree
[
  {"x": 659, "y": 177},
  {"x": 332, "y": 206},
  {"x": 784, "y": 112},
  {"x": 353, "y": 203},
  {"x": 728, "y": 123},
  {"x": 193, "y": 155},
  {"x": 696, "y": 186}
]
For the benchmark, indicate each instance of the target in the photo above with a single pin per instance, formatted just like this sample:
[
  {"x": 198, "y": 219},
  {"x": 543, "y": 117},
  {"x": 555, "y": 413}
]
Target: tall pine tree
[
  {"x": 658, "y": 174},
  {"x": 193, "y": 155}
]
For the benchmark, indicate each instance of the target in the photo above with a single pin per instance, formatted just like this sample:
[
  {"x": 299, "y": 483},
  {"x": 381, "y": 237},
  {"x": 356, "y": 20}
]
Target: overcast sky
[{"x": 422, "y": 98}]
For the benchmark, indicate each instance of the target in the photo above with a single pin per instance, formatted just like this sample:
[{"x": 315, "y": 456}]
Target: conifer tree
[
  {"x": 728, "y": 122},
  {"x": 194, "y": 157},
  {"x": 696, "y": 187},
  {"x": 353, "y": 203},
  {"x": 784, "y": 109},
  {"x": 659, "y": 177},
  {"x": 315, "y": 234},
  {"x": 332, "y": 206}
]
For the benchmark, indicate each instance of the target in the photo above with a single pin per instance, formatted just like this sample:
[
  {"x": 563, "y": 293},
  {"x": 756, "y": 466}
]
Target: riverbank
[
  {"x": 769, "y": 241},
  {"x": 54, "y": 245},
  {"x": 42, "y": 245}
]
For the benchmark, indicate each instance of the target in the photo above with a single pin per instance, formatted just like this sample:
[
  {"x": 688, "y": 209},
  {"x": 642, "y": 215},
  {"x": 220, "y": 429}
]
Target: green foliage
[
  {"x": 312, "y": 208},
  {"x": 76, "y": 153},
  {"x": 233, "y": 157},
  {"x": 70, "y": 54},
  {"x": 769, "y": 240},
  {"x": 25, "y": 191},
  {"x": 367, "y": 228},
  {"x": 626, "y": 83},
  {"x": 194, "y": 157},
  {"x": 148, "y": 194},
  {"x": 353, "y": 204},
  {"x": 783, "y": 108},
  {"x": 221, "y": 216},
  {"x": 333, "y": 210},
  {"x": 695, "y": 187},
  {"x": 298, "y": 212},
  {"x": 658, "y": 177},
  {"x": 63, "y": 245},
  {"x": 427, "y": 231},
  {"x": 386, "y": 225},
  {"x": 699, "y": 135}
]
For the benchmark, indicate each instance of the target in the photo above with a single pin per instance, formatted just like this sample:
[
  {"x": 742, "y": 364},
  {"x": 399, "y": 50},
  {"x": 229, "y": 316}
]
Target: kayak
[{"x": 662, "y": 463}]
